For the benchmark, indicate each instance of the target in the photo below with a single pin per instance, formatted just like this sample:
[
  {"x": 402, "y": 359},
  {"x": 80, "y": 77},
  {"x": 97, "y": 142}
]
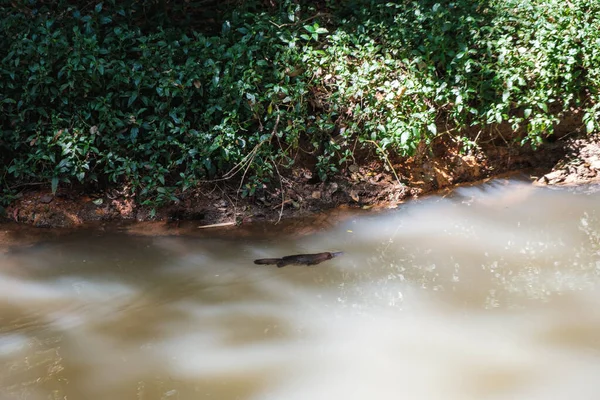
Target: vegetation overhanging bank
[{"x": 157, "y": 97}]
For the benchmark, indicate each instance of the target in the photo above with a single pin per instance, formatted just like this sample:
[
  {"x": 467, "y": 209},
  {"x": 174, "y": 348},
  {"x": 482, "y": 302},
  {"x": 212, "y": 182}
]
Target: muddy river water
[{"x": 492, "y": 292}]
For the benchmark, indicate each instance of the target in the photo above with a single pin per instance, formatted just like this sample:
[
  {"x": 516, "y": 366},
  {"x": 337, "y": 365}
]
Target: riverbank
[
  {"x": 367, "y": 184},
  {"x": 258, "y": 112}
]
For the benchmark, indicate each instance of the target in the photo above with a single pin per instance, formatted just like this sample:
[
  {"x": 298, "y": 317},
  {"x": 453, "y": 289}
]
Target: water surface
[{"x": 491, "y": 292}]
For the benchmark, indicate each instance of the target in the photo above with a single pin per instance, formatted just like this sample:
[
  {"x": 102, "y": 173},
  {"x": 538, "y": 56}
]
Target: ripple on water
[{"x": 488, "y": 293}]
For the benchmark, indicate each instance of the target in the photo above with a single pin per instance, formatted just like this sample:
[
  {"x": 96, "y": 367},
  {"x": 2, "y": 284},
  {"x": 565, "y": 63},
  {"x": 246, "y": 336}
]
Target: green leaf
[
  {"x": 432, "y": 128},
  {"x": 132, "y": 99},
  {"x": 173, "y": 116},
  {"x": 589, "y": 126},
  {"x": 54, "y": 185},
  {"x": 98, "y": 7}
]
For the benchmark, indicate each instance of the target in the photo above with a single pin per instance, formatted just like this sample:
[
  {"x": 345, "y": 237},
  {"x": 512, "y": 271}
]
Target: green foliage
[
  {"x": 393, "y": 71},
  {"x": 132, "y": 93},
  {"x": 88, "y": 97}
]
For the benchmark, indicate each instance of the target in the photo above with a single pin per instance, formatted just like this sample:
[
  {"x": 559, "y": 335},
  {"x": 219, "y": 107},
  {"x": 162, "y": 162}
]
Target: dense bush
[
  {"x": 403, "y": 66},
  {"x": 136, "y": 94}
]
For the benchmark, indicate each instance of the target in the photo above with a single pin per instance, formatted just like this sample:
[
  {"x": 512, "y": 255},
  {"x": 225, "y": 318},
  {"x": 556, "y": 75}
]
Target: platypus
[{"x": 300, "y": 259}]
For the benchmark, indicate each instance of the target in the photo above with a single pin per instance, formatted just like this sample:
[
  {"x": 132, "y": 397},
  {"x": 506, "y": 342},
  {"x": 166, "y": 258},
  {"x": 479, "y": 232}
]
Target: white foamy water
[{"x": 489, "y": 293}]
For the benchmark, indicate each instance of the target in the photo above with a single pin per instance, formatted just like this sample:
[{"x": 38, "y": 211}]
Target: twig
[
  {"x": 234, "y": 204},
  {"x": 248, "y": 165},
  {"x": 386, "y": 159},
  {"x": 446, "y": 132},
  {"x": 246, "y": 161},
  {"x": 255, "y": 150},
  {"x": 282, "y": 204},
  {"x": 217, "y": 225},
  {"x": 300, "y": 22},
  {"x": 28, "y": 184},
  {"x": 282, "y": 192}
]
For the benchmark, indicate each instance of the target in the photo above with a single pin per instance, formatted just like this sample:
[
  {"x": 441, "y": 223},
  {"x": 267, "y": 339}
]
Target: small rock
[
  {"x": 571, "y": 179},
  {"x": 595, "y": 165},
  {"x": 223, "y": 203},
  {"x": 353, "y": 168},
  {"x": 47, "y": 198},
  {"x": 554, "y": 177},
  {"x": 582, "y": 169},
  {"x": 316, "y": 194},
  {"x": 333, "y": 188}
]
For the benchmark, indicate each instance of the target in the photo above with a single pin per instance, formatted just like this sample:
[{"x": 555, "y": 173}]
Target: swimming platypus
[{"x": 299, "y": 259}]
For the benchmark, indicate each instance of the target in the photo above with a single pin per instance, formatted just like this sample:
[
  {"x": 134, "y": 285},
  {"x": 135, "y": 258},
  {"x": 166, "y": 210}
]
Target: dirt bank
[
  {"x": 371, "y": 183},
  {"x": 579, "y": 165}
]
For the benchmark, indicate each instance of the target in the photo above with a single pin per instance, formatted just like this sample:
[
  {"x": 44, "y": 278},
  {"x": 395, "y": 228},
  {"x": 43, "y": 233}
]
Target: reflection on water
[{"x": 489, "y": 293}]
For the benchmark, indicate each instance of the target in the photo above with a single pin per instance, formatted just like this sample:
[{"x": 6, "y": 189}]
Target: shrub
[{"x": 138, "y": 94}]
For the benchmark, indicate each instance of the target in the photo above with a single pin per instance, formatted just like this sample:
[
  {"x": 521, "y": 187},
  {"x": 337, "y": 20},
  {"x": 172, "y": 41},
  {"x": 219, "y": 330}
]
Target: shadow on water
[{"x": 482, "y": 286}]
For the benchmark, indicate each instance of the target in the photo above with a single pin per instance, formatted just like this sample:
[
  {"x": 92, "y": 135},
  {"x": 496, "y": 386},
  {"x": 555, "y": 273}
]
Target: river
[{"x": 489, "y": 292}]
